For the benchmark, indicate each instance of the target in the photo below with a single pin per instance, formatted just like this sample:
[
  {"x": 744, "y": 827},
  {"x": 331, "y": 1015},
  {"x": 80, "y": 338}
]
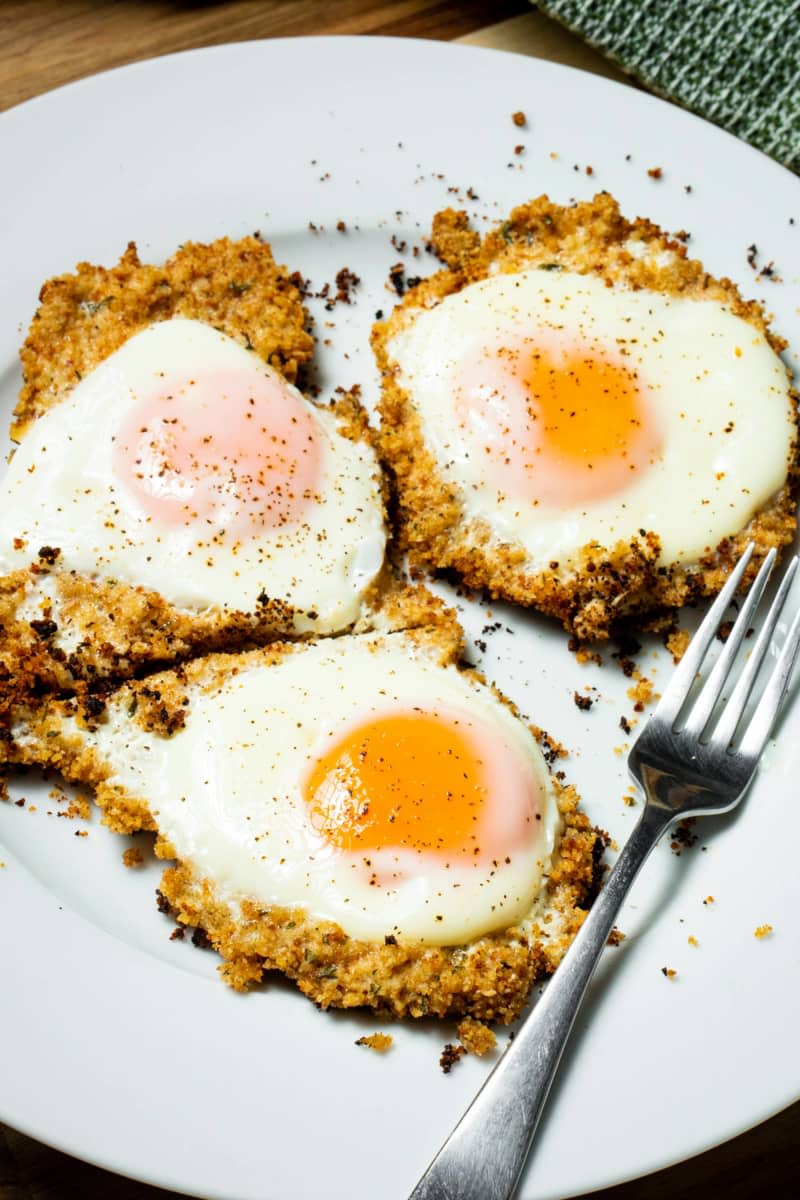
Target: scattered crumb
[
  {"x": 629, "y": 800},
  {"x": 133, "y": 857},
  {"x": 380, "y": 1042},
  {"x": 519, "y": 119},
  {"x": 683, "y": 838},
  {"x": 641, "y": 693},
  {"x": 80, "y": 807},
  {"x": 625, "y": 724},
  {"x": 450, "y": 1056},
  {"x": 692, "y": 940},
  {"x": 616, "y": 937},
  {"x": 78, "y": 832},
  {"x": 584, "y": 703},
  {"x": 677, "y": 643},
  {"x": 177, "y": 934},
  {"x": 708, "y": 900},
  {"x": 550, "y": 747},
  {"x": 582, "y": 654},
  {"x": 766, "y": 272},
  {"x": 2, "y": 865},
  {"x": 762, "y": 931},
  {"x": 476, "y": 1037},
  {"x": 668, "y": 972},
  {"x": 655, "y": 172}
]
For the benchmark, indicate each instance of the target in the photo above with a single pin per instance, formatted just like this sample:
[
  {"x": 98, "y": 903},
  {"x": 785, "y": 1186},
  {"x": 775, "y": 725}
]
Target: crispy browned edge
[
  {"x": 489, "y": 979},
  {"x": 84, "y": 317},
  {"x": 614, "y": 585},
  {"x": 235, "y": 286}
]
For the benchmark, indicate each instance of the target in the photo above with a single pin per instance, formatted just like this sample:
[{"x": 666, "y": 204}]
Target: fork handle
[{"x": 484, "y": 1155}]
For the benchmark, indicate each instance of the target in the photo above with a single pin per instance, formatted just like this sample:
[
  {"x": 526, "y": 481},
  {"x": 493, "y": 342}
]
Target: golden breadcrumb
[
  {"x": 83, "y": 318},
  {"x": 380, "y": 1042},
  {"x": 132, "y": 857},
  {"x": 677, "y": 643},
  {"x": 641, "y": 692},
  {"x": 607, "y": 586},
  {"x": 488, "y": 979},
  {"x": 476, "y": 1037},
  {"x": 762, "y": 931}
]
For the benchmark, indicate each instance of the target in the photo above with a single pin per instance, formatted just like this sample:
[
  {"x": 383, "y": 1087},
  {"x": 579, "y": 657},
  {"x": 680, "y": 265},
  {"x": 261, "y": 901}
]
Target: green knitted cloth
[{"x": 735, "y": 62}]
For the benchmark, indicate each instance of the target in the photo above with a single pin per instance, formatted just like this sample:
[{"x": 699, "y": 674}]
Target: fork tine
[
  {"x": 726, "y": 726},
  {"x": 677, "y": 689},
  {"x": 706, "y": 701},
  {"x": 763, "y": 718}
]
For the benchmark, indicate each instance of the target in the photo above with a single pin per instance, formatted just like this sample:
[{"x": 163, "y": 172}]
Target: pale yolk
[
  {"x": 416, "y": 781},
  {"x": 558, "y": 423},
  {"x": 232, "y": 449}
]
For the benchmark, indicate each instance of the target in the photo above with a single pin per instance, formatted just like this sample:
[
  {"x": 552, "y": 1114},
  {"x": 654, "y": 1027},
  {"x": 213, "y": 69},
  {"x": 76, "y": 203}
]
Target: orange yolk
[
  {"x": 232, "y": 449},
  {"x": 558, "y": 423},
  {"x": 415, "y": 781}
]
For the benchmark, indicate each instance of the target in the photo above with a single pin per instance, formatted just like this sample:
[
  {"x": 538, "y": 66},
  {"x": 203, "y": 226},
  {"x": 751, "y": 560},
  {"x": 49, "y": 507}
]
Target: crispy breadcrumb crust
[
  {"x": 82, "y": 318},
  {"x": 610, "y": 586},
  {"x": 488, "y": 979}
]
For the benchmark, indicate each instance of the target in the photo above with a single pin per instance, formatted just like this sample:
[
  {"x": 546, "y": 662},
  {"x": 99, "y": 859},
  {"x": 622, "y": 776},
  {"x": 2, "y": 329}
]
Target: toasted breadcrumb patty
[
  {"x": 488, "y": 979},
  {"x": 59, "y": 629},
  {"x": 235, "y": 286},
  {"x": 610, "y": 586}
]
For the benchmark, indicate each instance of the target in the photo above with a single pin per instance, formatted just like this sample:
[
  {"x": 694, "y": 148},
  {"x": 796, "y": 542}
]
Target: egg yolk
[
  {"x": 419, "y": 782},
  {"x": 558, "y": 423},
  {"x": 233, "y": 449}
]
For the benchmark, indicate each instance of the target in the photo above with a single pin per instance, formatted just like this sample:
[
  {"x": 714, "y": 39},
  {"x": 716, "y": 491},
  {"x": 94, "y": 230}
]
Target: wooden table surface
[{"x": 44, "y": 43}]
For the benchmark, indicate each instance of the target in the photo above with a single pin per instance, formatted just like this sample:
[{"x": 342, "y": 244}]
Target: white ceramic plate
[{"x": 119, "y": 1045}]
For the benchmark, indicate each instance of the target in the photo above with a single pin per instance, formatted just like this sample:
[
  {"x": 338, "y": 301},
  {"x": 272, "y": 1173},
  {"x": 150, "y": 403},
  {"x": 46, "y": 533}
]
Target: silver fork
[{"x": 684, "y": 770}]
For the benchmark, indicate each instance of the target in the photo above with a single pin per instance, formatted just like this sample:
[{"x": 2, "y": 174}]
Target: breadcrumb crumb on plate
[{"x": 380, "y": 1042}]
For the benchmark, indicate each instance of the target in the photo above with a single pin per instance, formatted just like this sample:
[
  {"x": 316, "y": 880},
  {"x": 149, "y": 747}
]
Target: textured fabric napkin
[{"x": 735, "y": 62}]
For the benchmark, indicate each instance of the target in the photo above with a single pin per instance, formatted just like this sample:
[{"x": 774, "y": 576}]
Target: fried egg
[
  {"x": 563, "y": 411},
  {"x": 184, "y": 464},
  {"x": 355, "y": 778}
]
